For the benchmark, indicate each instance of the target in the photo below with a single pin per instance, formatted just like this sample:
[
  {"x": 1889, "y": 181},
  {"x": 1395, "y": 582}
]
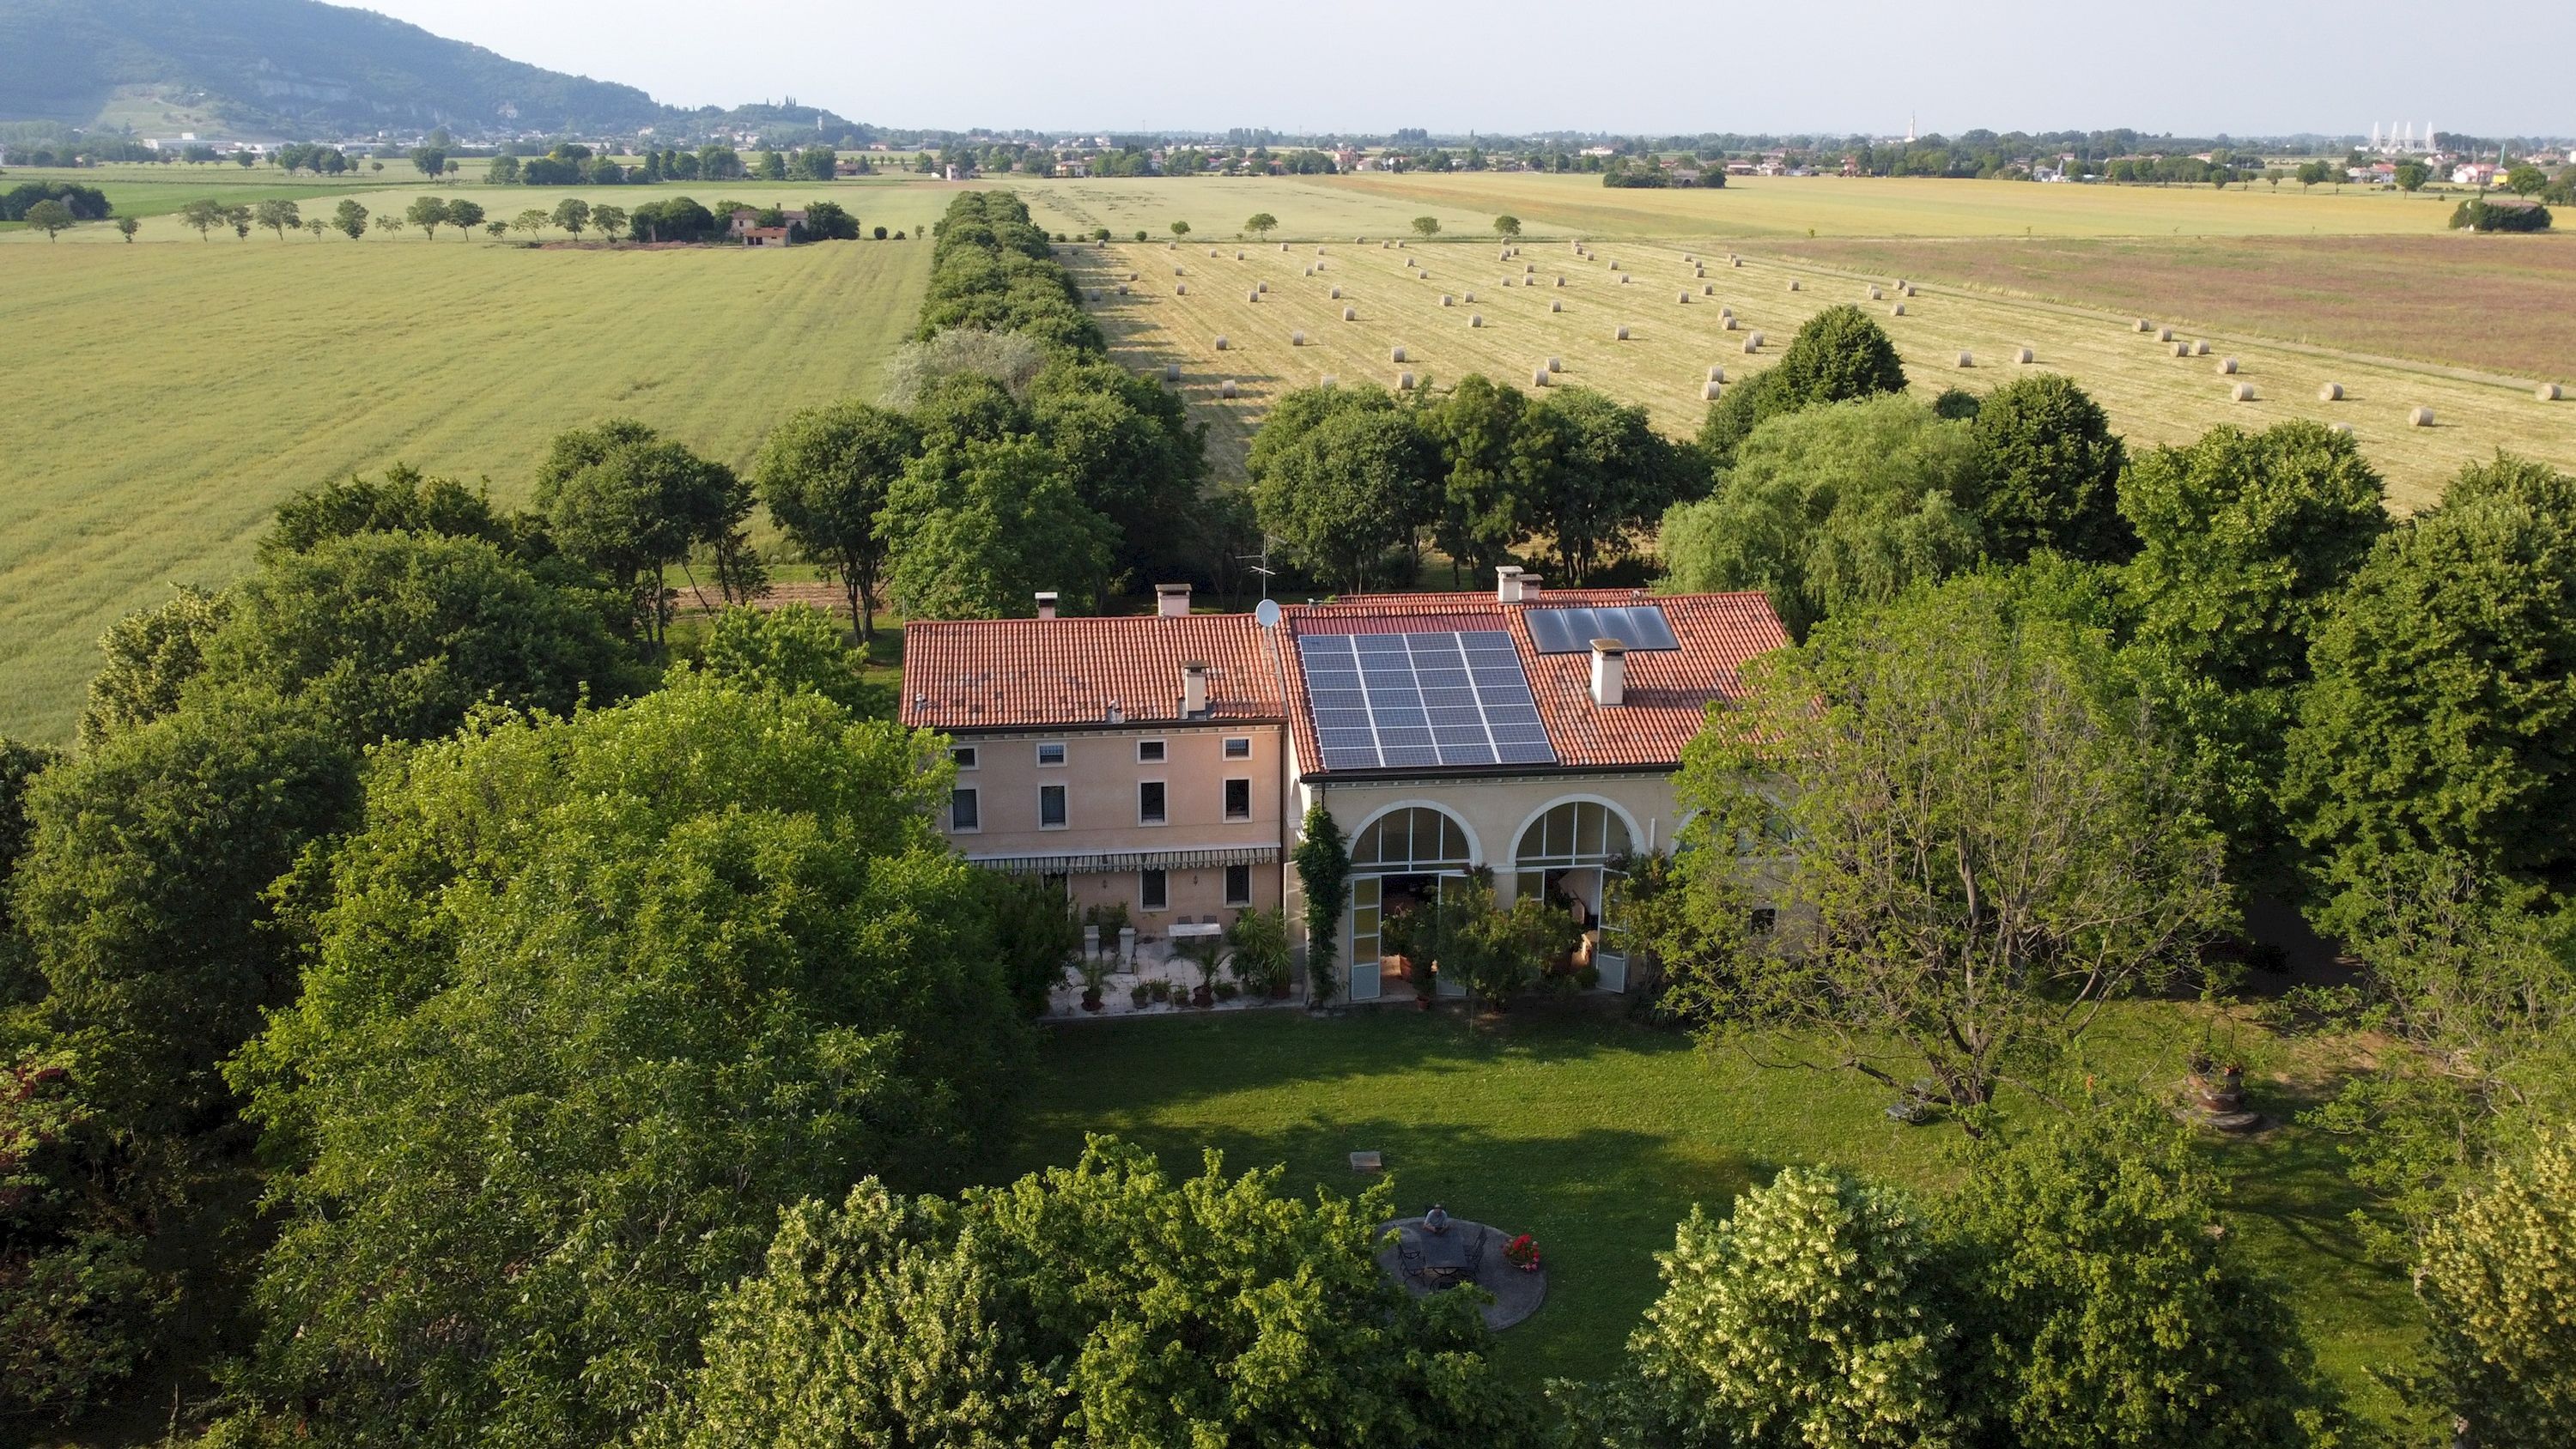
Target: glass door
[{"x": 1365, "y": 901}]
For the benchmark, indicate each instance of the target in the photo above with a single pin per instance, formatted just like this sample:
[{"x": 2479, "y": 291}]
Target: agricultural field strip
[
  {"x": 2523, "y": 385},
  {"x": 2152, "y": 396}
]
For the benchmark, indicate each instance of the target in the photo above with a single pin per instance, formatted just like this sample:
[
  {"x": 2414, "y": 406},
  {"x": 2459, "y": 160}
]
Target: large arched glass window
[
  {"x": 1414, "y": 840},
  {"x": 1578, "y": 832}
]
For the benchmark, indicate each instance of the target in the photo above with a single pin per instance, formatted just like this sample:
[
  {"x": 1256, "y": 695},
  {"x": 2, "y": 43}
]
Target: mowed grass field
[
  {"x": 1396, "y": 292},
  {"x": 183, "y": 388},
  {"x": 1597, "y": 1137},
  {"x": 2492, "y": 303}
]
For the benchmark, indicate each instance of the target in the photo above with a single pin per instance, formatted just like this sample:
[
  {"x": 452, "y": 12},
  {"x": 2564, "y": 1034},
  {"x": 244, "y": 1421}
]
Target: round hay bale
[
  {"x": 1471, "y": 297},
  {"x": 1708, "y": 392},
  {"x": 1180, "y": 271},
  {"x": 1131, "y": 276},
  {"x": 2343, "y": 428},
  {"x": 1726, "y": 312},
  {"x": 1621, "y": 335},
  {"x": 1716, "y": 373},
  {"x": 1225, "y": 388},
  {"x": 2182, "y": 349},
  {"x": 1211, "y": 253},
  {"x": 1283, "y": 246},
  {"x": 1296, "y": 339},
  {"x": 1448, "y": 301},
  {"x": 1253, "y": 295},
  {"x": 1708, "y": 291},
  {"x": 2146, "y": 326},
  {"x": 1560, "y": 281},
  {"x": 1967, "y": 359},
  {"x": 2548, "y": 392},
  {"x": 2242, "y": 392},
  {"x": 1907, "y": 288},
  {"x": 1180, "y": 289},
  {"x": 1261, "y": 286},
  {"x": 1896, "y": 311},
  {"x": 2331, "y": 392},
  {"x": 1319, "y": 251},
  {"x": 1395, "y": 354},
  {"x": 1555, "y": 304},
  {"x": 2164, "y": 334},
  {"x": 1171, "y": 372},
  {"x": 1350, "y": 314},
  {"x": 1725, "y": 321},
  {"x": 1310, "y": 271},
  {"x": 1530, "y": 267},
  {"x": 2199, "y": 347},
  {"x": 1221, "y": 343},
  {"x": 1874, "y": 295},
  {"x": 1538, "y": 377},
  {"x": 1625, "y": 279},
  {"x": 2419, "y": 417},
  {"x": 1238, "y": 256},
  {"x": 1475, "y": 320},
  {"x": 1753, "y": 342},
  {"x": 2227, "y": 367},
  {"x": 1794, "y": 284},
  {"x": 1331, "y": 381},
  {"x": 1556, "y": 364},
  {"x": 1122, "y": 289},
  {"x": 1337, "y": 294},
  {"x": 1684, "y": 298},
  {"x": 2024, "y": 356},
  {"x": 1171, "y": 246},
  {"x": 1735, "y": 261},
  {"x": 1095, "y": 294},
  {"x": 1404, "y": 382}
]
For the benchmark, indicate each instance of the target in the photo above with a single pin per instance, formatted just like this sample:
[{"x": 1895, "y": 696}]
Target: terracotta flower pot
[
  {"x": 1091, "y": 998},
  {"x": 1203, "y": 998}
]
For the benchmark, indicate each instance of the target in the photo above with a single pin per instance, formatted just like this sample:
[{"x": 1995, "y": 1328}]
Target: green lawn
[{"x": 1597, "y": 1136}]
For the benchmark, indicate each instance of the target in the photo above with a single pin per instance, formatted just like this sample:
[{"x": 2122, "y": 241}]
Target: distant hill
[{"x": 289, "y": 67}]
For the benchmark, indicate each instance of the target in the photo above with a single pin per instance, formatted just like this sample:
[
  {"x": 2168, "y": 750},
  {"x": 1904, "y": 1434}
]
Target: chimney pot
[
  {"x": 1172, "y": 601},
  {"x": 1507, "y": 584},
  {"x": 1046, "y": 603},
  {"x": 1529, "y": 588},
  {"x": 1609, "y": 671}
]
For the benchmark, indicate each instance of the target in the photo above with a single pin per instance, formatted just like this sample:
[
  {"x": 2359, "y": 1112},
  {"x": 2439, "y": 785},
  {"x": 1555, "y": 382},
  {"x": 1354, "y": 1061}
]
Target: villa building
[{"x": 1168, "y": 761}]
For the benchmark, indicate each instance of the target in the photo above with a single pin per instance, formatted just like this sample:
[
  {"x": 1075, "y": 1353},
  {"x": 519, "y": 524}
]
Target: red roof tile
[{"x": 971, "y": 674}]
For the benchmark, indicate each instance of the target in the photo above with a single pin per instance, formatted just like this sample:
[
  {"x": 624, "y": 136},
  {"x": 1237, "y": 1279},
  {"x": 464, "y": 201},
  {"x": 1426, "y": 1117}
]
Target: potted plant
[
  {"x": 1160, "y": 989},
  {"x": 1260, "y": 952},
  {"x": 1138, "y": 995},
  {"x": 1522, "y": 1253},
  {"x": 1095, "y": 973},
  {"x": 1205, "y": 953}
]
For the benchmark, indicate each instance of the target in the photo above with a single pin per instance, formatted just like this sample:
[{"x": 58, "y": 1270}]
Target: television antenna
[{"x": 1260, "y": 565}]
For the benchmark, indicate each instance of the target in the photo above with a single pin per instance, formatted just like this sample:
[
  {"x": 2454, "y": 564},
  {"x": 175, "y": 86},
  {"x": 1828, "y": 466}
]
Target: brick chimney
[
  {"x": 1609, "y": 671},
  {"x": 1172, "y": 601},
  {"x": 1046, "y": 603},
  {"x": 1194, "y": 689}
]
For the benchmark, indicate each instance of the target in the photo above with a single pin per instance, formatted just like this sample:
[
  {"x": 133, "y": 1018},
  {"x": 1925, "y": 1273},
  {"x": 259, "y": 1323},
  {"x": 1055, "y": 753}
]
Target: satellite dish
[{"x": 1267, "y": 613}]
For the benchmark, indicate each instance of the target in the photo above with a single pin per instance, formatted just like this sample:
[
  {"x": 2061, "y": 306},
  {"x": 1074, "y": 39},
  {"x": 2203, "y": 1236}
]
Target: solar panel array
[
  {"x": 1393, "y": 701},
  {"x": 1571, "y": 631}
]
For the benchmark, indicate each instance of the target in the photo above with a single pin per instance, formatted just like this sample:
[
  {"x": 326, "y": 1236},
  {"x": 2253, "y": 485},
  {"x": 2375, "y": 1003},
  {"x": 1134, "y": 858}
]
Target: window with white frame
[
  {"x": 1238, "y": 799},
  {"x": 965, "y": 812},
  {"x": 1051, "y": 807},
  {"x": 964, "y": 756},
  {"x": 1151, "y": 802},
  {"x": 1050, "y": 754},
  {"x": 1239, "y": 747},
  {"x": 1149, "y": 752}
]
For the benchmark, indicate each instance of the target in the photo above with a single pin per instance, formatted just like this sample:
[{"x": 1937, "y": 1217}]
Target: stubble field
[
  {"x": 185, "y": 387},
  {"x": 1499, "y": 324}
]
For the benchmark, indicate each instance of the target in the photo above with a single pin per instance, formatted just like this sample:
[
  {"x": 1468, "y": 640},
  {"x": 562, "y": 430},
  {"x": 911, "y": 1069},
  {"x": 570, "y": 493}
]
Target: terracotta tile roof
[
  {"x": 979, "y": 674},
  {"x": 1667, "y": 693}
]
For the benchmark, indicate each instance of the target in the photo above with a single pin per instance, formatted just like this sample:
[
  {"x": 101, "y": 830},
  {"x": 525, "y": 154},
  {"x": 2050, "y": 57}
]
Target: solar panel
[
  {"x": 1571, "y": 631},
  {"x": 1410, "y": 701}
]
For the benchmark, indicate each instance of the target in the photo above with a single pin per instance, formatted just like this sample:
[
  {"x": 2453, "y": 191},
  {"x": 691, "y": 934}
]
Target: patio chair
[
  {"x": 1411, "y": 1258},
  {"x": 1475, "y": 1255}
]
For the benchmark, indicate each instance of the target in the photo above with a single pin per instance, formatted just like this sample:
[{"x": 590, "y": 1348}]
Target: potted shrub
[
  {"x": 1522, "y": 1253},
  {"x": 1259, "y": 941},
  {"x": 1159, "y": 989},
  {"x": 1205, "y": 953},
  {"x": 1138, "y": 995},
  {"x": 1095, "y": 973}
]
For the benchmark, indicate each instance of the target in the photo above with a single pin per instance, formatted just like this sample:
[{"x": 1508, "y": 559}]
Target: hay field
[
  {"x": 183, "y": 388},
  {"x": 2152, "y": 396},
  {"x": 2498, "y": 303}
]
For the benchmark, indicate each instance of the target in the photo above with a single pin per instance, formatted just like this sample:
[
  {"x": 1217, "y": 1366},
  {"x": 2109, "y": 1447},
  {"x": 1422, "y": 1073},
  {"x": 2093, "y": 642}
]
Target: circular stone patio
[{"x": 1516, "y": 1294}]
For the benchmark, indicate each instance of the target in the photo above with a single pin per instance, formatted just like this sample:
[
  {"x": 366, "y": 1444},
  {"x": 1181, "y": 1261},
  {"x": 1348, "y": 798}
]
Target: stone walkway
[{"x": 1516, "y": 1294}]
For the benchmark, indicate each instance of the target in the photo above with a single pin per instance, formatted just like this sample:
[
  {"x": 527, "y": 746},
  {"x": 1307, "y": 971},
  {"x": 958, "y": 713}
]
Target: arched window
[
  {"x": 1578, "y": 832},
  {"x": 1415, "y": 840}
]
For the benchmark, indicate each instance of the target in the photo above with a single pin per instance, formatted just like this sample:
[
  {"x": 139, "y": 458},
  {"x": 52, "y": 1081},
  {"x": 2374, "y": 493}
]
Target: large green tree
[
  {"x": 152, "y": 654},
  {"x": 590, "y": 1001},
  {"x": 1838, "y": 355},
  {"x": 1485, "y": 506},
  {"x": 1595, "y": 476},
  {"x": 621, "y": 499},
  {"x": 1101, "y": 1303},
  {"x": 2496, "y": 1279},
  {"x": 2051, "y": 474},
  {"x": 1994, "y": 837},
  {"x": 2442, "y": 715},
  {"x": 2246, "y": 541},
  {"x": 1131, "y": 453},
  {"x": 825, "y": 473},
  {"x": 1832, "y": 507},
  {"x": 1343, "y": 476},
  {"x": 977, "y": 528}
]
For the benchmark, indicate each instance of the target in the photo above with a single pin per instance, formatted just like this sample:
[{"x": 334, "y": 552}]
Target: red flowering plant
[{"x": 1522, "y": 1253}]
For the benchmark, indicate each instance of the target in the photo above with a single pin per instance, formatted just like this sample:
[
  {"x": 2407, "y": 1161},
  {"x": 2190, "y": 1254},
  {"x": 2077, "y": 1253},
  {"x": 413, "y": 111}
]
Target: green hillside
[{"x": 284, "y": 67}]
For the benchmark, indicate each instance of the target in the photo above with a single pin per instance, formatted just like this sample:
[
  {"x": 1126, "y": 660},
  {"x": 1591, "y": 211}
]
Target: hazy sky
[{"x": 2197, "y": 67}]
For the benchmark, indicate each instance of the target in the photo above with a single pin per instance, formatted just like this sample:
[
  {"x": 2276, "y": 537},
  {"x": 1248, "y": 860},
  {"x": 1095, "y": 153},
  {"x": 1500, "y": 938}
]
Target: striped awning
[{"x": 1120, "y": 861}]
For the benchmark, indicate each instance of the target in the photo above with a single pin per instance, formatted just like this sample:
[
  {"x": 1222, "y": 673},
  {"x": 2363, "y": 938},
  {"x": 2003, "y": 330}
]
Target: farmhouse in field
[{"x": 1167, "y": 761}]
